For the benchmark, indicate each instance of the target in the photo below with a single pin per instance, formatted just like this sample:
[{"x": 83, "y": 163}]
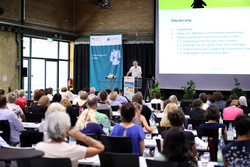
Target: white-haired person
[
  {"x": 243, "y": 105},
  {"x": 135, "y": 70},
  {"x": 87, "y": 124},
  {"x": 58, "y": 128},
  {"x": 52, "y": 108},
  {"x": 92, "y": 92},
  {"x": 11, "y": 99},
  {"x": 174, "y": 99}
]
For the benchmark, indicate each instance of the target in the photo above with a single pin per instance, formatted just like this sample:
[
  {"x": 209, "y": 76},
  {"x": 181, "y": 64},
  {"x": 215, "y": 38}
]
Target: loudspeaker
[
  {"x": 1, "y": 10},
  {"x": 24, "y": 72}
]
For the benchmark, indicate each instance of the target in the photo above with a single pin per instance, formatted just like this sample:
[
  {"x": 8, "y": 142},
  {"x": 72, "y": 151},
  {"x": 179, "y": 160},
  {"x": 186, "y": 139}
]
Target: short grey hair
[
  {"x": 11, "y": 97},
  {"x": 173, "y": 99},
  {"x": 57, "y": 125},
  {"x": 137, "y": 105},
  {"x": 92, "y": 90},
  {"x": 135, "y": 62},
  {"x": 17, "y": 92},
  {"x": 53, "y": 108}
]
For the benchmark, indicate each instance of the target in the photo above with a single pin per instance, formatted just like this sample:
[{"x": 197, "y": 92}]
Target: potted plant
[
  {"x": 236, "y": 90},
  {"x": 155, "y": 88},
  {"x": 189, "y": 90}
]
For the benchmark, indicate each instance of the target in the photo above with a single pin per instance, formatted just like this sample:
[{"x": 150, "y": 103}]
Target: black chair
[
  {"x": 160, "y": 129},
  {"x": 158, "y": 143},
  {"x": 115, "y": 108},
  {"x": 187, "y": 110},
  {"x": 34, "y": 117},
  {"x": 154, "y": 163},
  {"x": 117, "y": 144},
  {"x": 82, "y": 143},
  {"x": 213, "y": 148},
  {"x": 196, "y": 123},
  {"x": 213, "y": 133},
  {"x": 5, "y": 128},
  {"x": 109, "y": 159},
  {"x": 227, "y": 122},
  {"x": 29, "y": 137},
  {"x": 50, "y": 162},
  {"x": 156, "y": 106},
  {"x": 157, "y": 121},
  {"x": 106, "y": 112}
]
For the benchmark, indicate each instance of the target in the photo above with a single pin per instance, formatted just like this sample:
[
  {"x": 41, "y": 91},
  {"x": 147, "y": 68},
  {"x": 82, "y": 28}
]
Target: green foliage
[
  {"x": 155, "y": 88},
  {"x": 237, "y": 91},
  {"x": 190, "y": 90}
]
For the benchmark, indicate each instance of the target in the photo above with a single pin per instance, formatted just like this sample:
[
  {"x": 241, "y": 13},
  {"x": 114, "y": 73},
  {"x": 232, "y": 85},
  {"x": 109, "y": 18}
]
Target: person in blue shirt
[
  {"x": 128, "y": 129},
  {"x": 237, "y": 153}
]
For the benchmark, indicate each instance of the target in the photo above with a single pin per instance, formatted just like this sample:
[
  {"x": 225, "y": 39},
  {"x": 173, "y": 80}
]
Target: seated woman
[
  {"x": 70, "y": 110},
  {"x": 82, "y": 105},
  {"x": 128, "y": 129},
  {"x": 42, "y": 105},
  {"x": 164, "y": 121},
  {"x": 58, "y": 128},
  {"x": 177, "y": 120},
  {"x": 56, "y": 98},
  {"x": 237, "y": 153},
  {"x": 174, "y": 99},
  {"x": 11, "y": 99},
  {"x": 176, "y": 148},
  {"x": 112, "y": 97},
  {"x": 243, "y": 105},
  {"x": 231, "y": 112},
  {"x": 38, "y": 93},
  {"x": 52, "y": 108},
  {"x": 87, "y": 124},
  {"x": 140, "y": 119}
]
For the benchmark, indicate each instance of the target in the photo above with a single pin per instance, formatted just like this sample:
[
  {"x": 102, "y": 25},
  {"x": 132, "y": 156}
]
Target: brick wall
[
  {"x": 10, "y": 8},
  {"x": 8, "y": 58}
]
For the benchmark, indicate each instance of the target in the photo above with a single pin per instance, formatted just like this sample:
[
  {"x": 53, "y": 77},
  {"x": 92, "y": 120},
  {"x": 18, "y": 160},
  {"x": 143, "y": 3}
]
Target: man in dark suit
[{"x": 197, "y": 113}]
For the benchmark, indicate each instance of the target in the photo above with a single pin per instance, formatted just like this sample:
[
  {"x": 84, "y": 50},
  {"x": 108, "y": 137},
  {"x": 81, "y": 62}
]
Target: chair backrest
[
  {"x": 115, "y": 108},
  {"x": 109, "y": 159},
  {"x": 213, "y": 148},
  {"x": 90, "y": 135},
  {"x": 34, "y": 117},
  {"x": 154, "y": 163},
  {"x": 5, "y": 130},
  {"x": 106, "y": 112},
  {"x": 157, "y": 121},
  {"x": 160, "y": 129},
  {"x": 117, "y": 144},
  {"x": 226, "y": 122},
  {"x": 159, "y": 143},
  {"x": 50, "y": 162},
  {"x": 195, "y": 123},
  {"x": 213, "y": 133},
  {"x": 156, "y": 106},
  {"x": 29, "y": 137}
]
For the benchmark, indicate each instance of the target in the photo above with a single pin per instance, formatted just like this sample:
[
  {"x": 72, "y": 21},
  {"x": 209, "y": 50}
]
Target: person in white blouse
[{"x": 135, "y": 70}]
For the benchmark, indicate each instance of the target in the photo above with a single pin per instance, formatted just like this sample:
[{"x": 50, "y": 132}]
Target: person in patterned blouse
[{"x": 237, "y": 153}]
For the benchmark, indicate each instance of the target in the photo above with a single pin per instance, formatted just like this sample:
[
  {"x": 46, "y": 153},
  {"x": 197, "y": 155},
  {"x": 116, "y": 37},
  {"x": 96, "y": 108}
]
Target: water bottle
[
  {"x": 152, "y": 120},
  {"x": 72, "y": 140},
  {"x": 219, "y": 152},
  {"x": 230, "y": 133},
  {"x": 106, "y": 126}
]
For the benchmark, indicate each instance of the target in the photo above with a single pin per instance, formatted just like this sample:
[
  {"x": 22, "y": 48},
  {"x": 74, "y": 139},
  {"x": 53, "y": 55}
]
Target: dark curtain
[
  {"x": 81, "y": 67},
  {"x": 144, "y": 54}
]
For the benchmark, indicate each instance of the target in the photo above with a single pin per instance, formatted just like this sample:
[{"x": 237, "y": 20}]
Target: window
[{"x": 47, "y": 64}]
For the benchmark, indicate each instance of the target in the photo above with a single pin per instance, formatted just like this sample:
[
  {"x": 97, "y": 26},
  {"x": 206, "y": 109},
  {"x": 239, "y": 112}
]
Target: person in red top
[
  {"x": 231, "y": 112},
  {"x": 20, "y": 101}
]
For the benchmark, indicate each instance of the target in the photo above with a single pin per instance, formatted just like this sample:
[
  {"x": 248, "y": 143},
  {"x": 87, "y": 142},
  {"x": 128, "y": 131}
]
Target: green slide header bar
[{"x": 186, "y": 4}]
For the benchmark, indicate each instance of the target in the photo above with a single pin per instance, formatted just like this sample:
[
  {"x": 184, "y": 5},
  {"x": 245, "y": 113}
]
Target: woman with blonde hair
[
  {"x": 70, "y": 110},
  {"x": 164, "y": 121},
  {"x": 42, "y": 105},
  {"x": 87, "y": 124}
]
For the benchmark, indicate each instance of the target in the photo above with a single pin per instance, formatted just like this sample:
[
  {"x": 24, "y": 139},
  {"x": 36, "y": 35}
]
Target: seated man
[
  {"x": 237, "y": 153},
  {"x": 197, "y": 113},
  {"x": 15, "y": 125},
  {"x": 102, "y": 105}
]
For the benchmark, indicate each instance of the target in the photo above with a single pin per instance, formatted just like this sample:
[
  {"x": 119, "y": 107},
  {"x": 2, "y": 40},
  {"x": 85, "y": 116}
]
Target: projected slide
[{"x": 204, "y": 37}]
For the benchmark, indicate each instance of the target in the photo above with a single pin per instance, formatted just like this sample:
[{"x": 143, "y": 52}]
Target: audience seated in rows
[
  {"x": 70, "y": 110},
  {"x": 157, "y": 100},
  {"x": 103, "y": 103},
  {"x": 174, "y": 99},
  {"x": 87, "y": 124},
  {"x": 231, "y": 112},
  {"x": 203, "y": 98},
  {"x": 11, "y": 99},
  {"x": 128, "y": 129},
  {"x": 243, "y": 105},
  {"x": 15, "y": 124},
  {"x": 176, "y": 148},
  {"x": 112, "y": 99},
  {"x": 58, "y": 128},
  {"x": 82, "y": 105},
  {"x": 146, "y": 112},
  {"x": 140, "y": 119},
  {"x": 219, "y": 102},
  {"x": 197, "y": 113},
  {"x": 237, "y": 153},
  {"x": 121, "y": 99},
  {"x": 177, "y": 120},
  {"x": 164, "y": 121},
  {"x": 42, "y": 105},
  {"x": 212, "y": 114}
]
